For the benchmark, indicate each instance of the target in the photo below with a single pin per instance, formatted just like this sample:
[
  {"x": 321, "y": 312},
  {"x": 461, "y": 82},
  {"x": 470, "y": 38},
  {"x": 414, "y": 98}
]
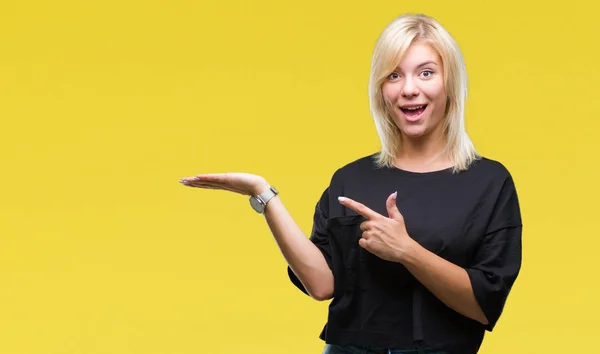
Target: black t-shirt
[{"x": 471, "y": 218}]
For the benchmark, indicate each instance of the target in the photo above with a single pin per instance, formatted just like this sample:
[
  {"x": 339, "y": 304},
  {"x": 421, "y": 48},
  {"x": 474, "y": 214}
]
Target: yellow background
[{"x": 106, "y": 104}]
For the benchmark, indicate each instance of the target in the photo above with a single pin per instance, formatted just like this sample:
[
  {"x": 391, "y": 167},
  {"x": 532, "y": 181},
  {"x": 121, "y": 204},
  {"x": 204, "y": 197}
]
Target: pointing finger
[{"x": 359, "y": 208}]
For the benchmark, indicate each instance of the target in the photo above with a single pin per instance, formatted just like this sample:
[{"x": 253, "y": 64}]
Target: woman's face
[{"x": 415, "y": 93}]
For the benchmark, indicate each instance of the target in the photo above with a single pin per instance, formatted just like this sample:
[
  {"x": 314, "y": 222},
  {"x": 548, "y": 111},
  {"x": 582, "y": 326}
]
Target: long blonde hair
[{"x": 391, "y": 46}]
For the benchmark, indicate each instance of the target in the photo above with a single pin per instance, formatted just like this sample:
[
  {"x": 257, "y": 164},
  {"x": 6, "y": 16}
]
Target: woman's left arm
[
  {"x": 447, "y": 281},
  {"x": 386, "y": 237}
]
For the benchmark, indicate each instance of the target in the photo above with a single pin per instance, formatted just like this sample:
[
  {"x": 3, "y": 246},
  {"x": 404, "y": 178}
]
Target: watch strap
[{"x": 268, "y": 194}]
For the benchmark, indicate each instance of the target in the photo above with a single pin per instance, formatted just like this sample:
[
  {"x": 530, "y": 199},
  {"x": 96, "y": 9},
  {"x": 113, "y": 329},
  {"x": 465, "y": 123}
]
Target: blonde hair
[{"x": 391, "y": 46}]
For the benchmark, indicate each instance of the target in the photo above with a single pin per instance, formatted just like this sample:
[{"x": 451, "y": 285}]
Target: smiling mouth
[{"x": 413, "y": 111}]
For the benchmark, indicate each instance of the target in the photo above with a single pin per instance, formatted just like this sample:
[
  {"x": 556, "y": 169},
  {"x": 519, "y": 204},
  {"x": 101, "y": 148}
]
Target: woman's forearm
[
  {"x": 447, "y": 281},
  {"x": 303, "y": 257}
]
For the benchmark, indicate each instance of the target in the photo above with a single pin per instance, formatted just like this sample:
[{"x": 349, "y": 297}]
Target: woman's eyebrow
[
  {"x": 427, "y": 63},
  {"x": 420, "y": 65}
]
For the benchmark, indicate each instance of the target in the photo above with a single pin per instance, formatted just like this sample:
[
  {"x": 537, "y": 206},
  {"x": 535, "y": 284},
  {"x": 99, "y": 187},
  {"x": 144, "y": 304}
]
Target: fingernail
[
  {"x": 341, "y": 199},
  {"x": 186, "y": 182},
  {"x": 196, "y": 178},
  {"x": 395, "y": 194}
]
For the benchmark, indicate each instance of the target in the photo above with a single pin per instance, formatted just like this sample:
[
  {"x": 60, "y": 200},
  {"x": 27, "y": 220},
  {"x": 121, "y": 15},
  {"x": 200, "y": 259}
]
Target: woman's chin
[{"x": 414, "y": 132}]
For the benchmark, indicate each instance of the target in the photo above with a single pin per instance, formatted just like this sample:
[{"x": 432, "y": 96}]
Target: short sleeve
[
  {"x": 497, "y": 260},
  {"x": 318, "y": 236}
]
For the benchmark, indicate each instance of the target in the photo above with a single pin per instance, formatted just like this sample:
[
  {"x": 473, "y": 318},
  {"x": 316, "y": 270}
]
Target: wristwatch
[{"x": 259, "y": 202}]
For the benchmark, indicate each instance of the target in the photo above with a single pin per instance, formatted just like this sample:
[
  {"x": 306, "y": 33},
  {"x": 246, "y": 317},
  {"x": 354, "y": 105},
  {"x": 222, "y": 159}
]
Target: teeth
[{"x": 413, "y": 108}]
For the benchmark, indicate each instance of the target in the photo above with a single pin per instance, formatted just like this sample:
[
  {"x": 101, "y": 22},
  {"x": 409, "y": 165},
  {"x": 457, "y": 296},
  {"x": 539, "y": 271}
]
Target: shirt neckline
[{"x": 414, "y": 174}]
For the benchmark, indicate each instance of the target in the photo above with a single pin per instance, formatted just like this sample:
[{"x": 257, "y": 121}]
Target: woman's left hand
[{"x": 385, "y": 237}]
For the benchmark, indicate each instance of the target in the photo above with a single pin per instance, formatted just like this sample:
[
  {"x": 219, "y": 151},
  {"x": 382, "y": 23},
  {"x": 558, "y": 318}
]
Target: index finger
[{"x": 360, "y": 208}]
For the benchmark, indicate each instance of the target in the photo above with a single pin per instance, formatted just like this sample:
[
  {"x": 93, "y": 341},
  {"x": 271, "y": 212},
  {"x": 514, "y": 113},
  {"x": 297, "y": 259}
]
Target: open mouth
[{"x": 413, "y": 112}]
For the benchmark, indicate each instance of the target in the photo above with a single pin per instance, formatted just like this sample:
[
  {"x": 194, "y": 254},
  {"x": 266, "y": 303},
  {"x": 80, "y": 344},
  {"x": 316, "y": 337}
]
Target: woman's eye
[
  {"x": 427, "y": 73},
  {"x": 393, "y": 76}
]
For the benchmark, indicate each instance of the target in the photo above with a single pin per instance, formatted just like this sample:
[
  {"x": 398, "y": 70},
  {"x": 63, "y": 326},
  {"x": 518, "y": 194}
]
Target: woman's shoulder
[
  {"x": 356, "y": 166},
  {"x": 488, "y": 167}
]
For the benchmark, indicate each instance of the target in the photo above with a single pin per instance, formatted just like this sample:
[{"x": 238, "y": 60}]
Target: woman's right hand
[{"x": 242, "y": 183}]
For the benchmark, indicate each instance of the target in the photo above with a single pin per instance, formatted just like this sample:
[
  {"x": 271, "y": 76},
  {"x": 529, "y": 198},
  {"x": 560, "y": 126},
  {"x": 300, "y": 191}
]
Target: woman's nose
[{"x": 409, "y": 89}]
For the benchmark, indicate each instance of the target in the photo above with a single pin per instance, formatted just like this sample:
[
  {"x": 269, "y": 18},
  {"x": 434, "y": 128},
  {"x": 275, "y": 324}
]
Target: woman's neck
[{"x": 423, "y": 155}]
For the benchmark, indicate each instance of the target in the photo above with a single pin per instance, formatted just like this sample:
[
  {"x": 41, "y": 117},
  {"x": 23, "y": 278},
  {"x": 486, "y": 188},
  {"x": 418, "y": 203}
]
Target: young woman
[{"x": 418, "y": 244}]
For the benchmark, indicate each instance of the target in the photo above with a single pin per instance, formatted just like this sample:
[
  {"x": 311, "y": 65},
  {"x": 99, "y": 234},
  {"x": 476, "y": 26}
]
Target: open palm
[{"x": 242, "y": 183}]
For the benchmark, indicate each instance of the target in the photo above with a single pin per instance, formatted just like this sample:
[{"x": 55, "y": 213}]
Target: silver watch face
[{"x": 257, "y": 205}]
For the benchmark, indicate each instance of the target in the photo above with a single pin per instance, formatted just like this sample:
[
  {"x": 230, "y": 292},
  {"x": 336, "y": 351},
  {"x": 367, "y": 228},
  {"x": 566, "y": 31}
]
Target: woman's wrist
[
  {"x": 259, "y": 188},
  {"x": 411, "y": 253}
]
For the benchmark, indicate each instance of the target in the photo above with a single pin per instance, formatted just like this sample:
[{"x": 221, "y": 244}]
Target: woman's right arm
[
  {"x": 301, "y": 254},
  {"x": 303, "y": 257}
]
